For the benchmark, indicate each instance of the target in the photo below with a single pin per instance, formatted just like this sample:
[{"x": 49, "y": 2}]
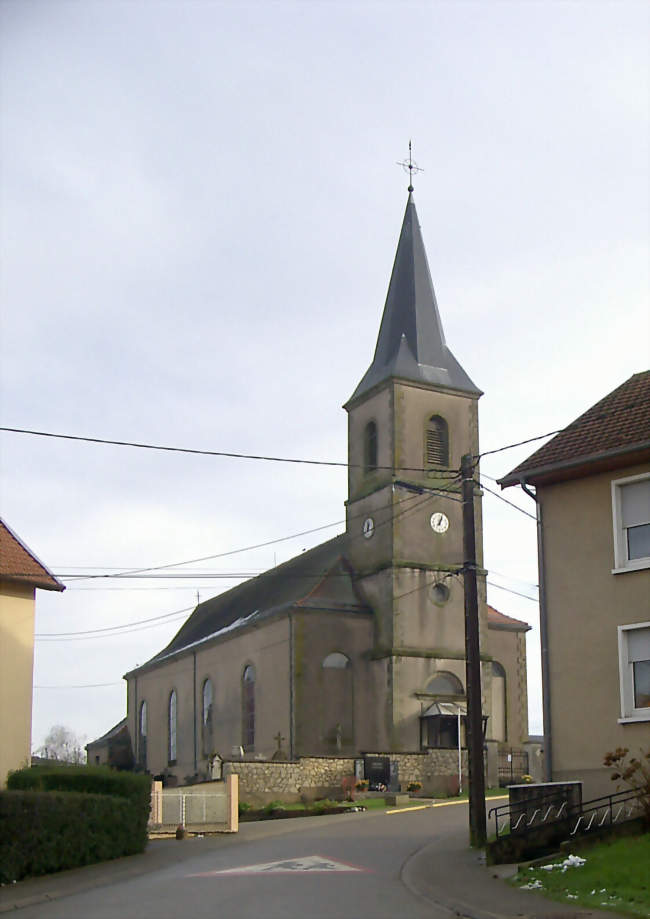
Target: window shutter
[
  {"x": 635, "y": 503},
  {"x": 638, "y": 645}
]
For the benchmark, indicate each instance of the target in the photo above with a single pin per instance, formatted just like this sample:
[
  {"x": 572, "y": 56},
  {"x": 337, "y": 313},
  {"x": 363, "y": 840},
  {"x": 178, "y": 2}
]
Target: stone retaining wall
[{"x": 310, "y": 776}]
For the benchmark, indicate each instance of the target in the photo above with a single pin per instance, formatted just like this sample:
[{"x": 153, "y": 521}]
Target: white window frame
[
  {"x": 621, "y": 562},
  {"x": 629, "y": 713}
]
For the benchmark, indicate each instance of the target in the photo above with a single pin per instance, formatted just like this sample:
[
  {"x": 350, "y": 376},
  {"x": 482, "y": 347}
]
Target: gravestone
[{"x": 377, "y": 772}]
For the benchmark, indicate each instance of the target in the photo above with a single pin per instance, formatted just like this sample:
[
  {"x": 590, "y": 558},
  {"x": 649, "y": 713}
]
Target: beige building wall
[
  {"x": 508, "y": 648},
  {"x": 266, "y": 648},
  {"x": 586, "y": 602},
  {"x": 16, "y": 675}
]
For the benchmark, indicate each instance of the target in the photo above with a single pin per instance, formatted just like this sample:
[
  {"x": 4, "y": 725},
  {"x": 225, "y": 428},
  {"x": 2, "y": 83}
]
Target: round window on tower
[{"x": 439, "y": 593}]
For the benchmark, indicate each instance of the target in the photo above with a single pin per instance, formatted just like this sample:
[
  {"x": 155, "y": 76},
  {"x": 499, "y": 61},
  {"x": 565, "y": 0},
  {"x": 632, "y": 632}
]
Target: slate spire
[{"x": 411, "y": 342}]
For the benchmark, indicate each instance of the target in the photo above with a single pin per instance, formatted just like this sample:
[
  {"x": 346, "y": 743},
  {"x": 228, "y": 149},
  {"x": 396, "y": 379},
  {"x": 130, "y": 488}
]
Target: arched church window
[
  {"x": 206, "y": 717},
  {"x": 142, "y": 736},
  {"x": 248, "y": 708},
  {"x": 437, "y": 442},
  {"x": 370, "y": 447},
  {"x": 497, "y": 723},
  {"x": 445, "y": 684},
  {"x": 336, "y": 661},
  {"x": 172, "y": 727}
]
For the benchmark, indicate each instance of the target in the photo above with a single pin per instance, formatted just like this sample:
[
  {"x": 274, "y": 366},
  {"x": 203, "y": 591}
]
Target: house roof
[
  {"x": 614, "y": 430},
  {"x": 319, "y": 578},
  {"x": 120, "y": 728},
  {"x": 20, "y": 565},
  {"x": 411, "y": 342},
  {"x": 499, "y": 621}
]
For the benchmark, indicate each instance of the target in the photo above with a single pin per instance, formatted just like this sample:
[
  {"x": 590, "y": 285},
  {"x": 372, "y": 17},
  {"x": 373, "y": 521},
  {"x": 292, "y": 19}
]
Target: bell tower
[{"x": 410, "y": 420}]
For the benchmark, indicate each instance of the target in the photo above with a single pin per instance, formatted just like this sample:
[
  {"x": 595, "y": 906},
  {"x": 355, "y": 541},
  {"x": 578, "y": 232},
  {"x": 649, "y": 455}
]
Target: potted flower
[{"x": 414, "y": 787}]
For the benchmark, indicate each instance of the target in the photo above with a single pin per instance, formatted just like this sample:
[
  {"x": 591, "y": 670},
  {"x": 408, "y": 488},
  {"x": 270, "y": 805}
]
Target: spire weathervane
[{"x": 411, "y": 167}]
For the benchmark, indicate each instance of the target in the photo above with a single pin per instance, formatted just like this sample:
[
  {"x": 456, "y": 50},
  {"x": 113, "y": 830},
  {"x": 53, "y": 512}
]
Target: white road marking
[{"x": 312, "y": 863}]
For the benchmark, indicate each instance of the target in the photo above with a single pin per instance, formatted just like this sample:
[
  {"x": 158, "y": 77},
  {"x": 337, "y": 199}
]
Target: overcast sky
[{"x": 200, "y": 208}]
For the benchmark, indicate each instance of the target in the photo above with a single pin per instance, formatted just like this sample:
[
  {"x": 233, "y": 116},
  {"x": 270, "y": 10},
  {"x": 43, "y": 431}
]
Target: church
[{"x": 356, "y": 645}]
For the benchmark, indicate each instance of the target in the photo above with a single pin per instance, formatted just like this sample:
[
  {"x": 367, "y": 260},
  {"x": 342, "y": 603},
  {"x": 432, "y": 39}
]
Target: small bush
[
  {"x": 51, "y": 831},
  {"x": 272, "y": 807},
  {"x": 99, "y": 780},
  {"x": 243, "y": 807},
  {"x": 633, "y": 771}
]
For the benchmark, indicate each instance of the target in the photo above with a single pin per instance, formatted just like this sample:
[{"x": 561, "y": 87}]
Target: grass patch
[{"x": 615, "y": 876}]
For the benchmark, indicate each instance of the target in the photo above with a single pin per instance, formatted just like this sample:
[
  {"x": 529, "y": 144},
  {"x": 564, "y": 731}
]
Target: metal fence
[
  {"x": 513, "y": 765},
  {"x": 213, "y": 807}
]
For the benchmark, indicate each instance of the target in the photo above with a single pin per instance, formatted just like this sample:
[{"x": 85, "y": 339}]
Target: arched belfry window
[
  {"x": 370, "y": 447},
  {"x": 172, "y": 726},
  {"x": 437, "y": 442},
  {"x": 206, "y": 717},
  {"x": 142, "y": 731},
  {"x": 248, "y": 708}
]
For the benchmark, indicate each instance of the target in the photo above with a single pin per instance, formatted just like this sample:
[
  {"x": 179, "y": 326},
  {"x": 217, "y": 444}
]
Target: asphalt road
[
  {"x": 378, "y": 865},
  {"x": 342, "y": 867}
]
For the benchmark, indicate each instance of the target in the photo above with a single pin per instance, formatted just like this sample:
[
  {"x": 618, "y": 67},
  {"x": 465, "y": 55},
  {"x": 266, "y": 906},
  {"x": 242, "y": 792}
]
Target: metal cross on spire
[{"x": 411, "y": 167}]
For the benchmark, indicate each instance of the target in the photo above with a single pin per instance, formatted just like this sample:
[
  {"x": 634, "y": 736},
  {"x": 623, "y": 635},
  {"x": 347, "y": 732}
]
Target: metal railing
[
  {"x": 546, "y": 807},
  {"x": 527, "y": 816}
]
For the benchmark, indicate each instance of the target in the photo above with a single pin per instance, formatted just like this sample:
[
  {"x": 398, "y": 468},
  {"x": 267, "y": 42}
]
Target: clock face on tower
[
  {"x": 368, "y": 527},
  {"x": 439, "y": 522}
]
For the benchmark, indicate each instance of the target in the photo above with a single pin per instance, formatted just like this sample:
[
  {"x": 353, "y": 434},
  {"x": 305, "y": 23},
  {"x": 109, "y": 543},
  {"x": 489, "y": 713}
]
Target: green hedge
[
  {"x": 43, "y": 832},
  {"x": 82, "y": 814}
]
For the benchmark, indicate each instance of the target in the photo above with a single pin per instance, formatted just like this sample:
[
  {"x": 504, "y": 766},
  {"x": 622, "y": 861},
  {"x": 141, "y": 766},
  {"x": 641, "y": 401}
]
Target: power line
[
  {"x": 510, "y": 591},
  {"x": 506, "y": 501},
  {"x": 176, "y": 612},
  {"x": 586, "y": 418},
  {"x": 143, "y": 572},
  {"x": 222, "y": 453}
]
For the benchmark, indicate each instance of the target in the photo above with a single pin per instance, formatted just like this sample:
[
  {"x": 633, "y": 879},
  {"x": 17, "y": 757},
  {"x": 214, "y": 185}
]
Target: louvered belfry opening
[
  {"x": 437, "y": 442},
  {"x": 370, "y": 447}
]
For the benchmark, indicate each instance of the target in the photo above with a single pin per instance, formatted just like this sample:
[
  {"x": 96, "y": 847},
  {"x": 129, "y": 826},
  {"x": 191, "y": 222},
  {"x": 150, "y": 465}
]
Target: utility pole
[{"x": 474, "y": 722}]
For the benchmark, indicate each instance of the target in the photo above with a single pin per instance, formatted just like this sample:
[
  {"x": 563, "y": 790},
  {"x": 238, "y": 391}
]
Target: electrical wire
[
  {"x": 223, "y": 453},
  {"x": 586, "y": 418},
  {"x": 515, "y": 592},
  {"x": 176, "y": 612},
  {"x": 506, "y": 501}
]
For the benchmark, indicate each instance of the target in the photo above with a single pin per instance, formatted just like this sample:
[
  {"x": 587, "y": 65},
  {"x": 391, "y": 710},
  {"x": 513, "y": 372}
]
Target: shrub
[
  {"x": 362, "y": 785},
  {"x": 51, "y": 831},
  {"x": 633, "y": 772},
  {"x": 273, "y": 806},
  {"x": 99, "y": 780},
  {"x": 243, "y": 807}
]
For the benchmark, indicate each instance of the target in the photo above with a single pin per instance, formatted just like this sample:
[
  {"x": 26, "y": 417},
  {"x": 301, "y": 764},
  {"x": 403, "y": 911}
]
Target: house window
[
  {"x": 437, "y": 442},
  {"x": 370, "y": 447},
  {"x": 172, "y": 725},
  {"x": 206, "y": 717},
  {"x": 248, "y": 708},
  {"x": 142, "y": 730},
  {"x": 631, "y": 515},
  {"x": 634, "y": 671}
]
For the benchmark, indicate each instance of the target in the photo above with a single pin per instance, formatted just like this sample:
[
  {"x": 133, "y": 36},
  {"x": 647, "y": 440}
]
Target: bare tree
[{"x": 63, "y": 744}]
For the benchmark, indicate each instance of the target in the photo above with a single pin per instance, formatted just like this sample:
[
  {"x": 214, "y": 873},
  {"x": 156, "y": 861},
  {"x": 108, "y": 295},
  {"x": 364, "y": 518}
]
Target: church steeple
[{"x": 411, "y": 342}]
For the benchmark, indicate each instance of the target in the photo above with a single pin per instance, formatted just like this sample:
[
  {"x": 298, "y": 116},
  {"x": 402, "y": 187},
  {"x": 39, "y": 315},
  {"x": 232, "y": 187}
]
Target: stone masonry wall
[{"x": 260, "y": 782}]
